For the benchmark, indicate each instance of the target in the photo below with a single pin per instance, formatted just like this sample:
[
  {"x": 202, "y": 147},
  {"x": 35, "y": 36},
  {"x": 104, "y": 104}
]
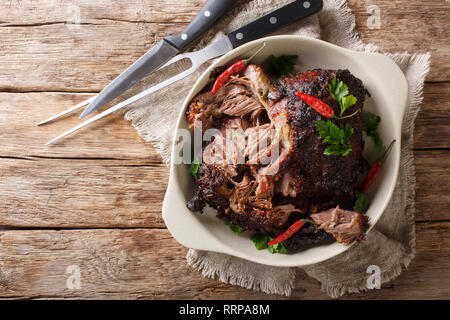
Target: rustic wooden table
[{"x": 92, "y": 204}]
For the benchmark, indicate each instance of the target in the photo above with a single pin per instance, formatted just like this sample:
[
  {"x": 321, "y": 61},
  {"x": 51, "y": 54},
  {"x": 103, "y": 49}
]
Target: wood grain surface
[
  {"x": 94, "y": 200},
  {"x": 150, "y": 264}
]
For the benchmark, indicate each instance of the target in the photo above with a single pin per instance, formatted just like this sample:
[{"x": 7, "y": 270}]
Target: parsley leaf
[
  {"x": 323, "y": 127},
  {"x": 371, "y": 124},
  {"x": 280, "y": 66},
  {"x": 234, "y": 228},
  {"x": 338, "y": 137},
  {"x": 337, "y": 150},
  {"x": 261, "y": 240},
  {"x": 362, "y": 202},
  {"x": 347, "y": 102},
  {"x": 277, "y": 248},
  {"x": 195, "y": 165},
  {"x": 339, "y": 91}
]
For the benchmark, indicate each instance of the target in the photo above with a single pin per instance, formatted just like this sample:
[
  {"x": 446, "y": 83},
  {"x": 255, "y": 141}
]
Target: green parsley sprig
[
  {"x": 337, "y": 137},
  {"x": 362, "y": 202},
  {"x": 234, "y": 228},
  {"x": 261, "y": 240},
  {"x": 371, "y": 123},
  {"x": 195, "y": 165},
  {"x": 339, "y": 91}
]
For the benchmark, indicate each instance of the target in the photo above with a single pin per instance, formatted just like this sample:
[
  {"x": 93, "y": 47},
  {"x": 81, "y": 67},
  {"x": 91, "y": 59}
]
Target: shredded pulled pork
[
  {"x": 345, "y": 226},
  {"x": 259, "y": 143},
  {"x": 240, "y": 105}
]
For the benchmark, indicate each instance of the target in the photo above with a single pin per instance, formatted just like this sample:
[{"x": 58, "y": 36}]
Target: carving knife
[{"x": 272, "y": 22}]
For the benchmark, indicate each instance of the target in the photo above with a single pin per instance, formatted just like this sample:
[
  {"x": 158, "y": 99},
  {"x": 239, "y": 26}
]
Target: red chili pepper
[
  {"x": 321, "y": 107},
  {"x": 371, "y": 175},
  {"x": 318, "y": 105},
  {"x": 232, "y": 70},
  {"x": 289, "y": 232},
  {"x": 375, "y": 169}
]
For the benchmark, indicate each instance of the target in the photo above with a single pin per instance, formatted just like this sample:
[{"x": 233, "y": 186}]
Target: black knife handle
[
  {"x": 274, "y": 21},
  {"x": 211, "y": 12}
]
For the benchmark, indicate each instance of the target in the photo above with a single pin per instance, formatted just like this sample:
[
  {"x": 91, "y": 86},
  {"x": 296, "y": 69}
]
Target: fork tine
[
  {"x": 127, "y": 102},
  {"x": 177, "y": 58},
  {"x": 78, "y": 106},
  {"x": 81, "y": 125},
  {"x": 86, "y": 102}
]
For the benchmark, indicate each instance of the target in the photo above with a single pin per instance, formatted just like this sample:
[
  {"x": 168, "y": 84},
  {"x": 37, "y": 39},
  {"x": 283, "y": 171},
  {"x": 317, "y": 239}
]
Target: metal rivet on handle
[
  {"x": 184, "y": 36},
  {"x": 239, "y": 36},
  {"x": 273, "y": 20},
  {"x": 207, "y": 13},
  {"x": 306, "y": 4}
]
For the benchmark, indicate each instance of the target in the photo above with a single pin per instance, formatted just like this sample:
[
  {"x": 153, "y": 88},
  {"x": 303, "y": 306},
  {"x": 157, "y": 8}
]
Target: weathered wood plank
[
  {"x": 129, "y": 193},
  {"x": 432, "y": 128},
  {"x": 55, "y": 58},
  {"x": 81, "y": 193},
  {"x": 111, "y": 137},
  {"x": 433, "y": 189},
  {"x": 87, "y": 57},
  {"x": 415, "y": 26},
  {"x": 28, "y": 12},
  {"x": 151, "y": 264}
]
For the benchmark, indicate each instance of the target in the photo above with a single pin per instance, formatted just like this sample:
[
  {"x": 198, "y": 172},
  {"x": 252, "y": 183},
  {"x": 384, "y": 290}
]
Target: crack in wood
[
  {"x": 19, "y": 90},
  {"x": 49, "y": 23},
  {"x": 82, "y": 158},
  {"x": 40, "y": 24},
  {"x": 430, "y": 149},
  {"x": 15, "y": 158}
]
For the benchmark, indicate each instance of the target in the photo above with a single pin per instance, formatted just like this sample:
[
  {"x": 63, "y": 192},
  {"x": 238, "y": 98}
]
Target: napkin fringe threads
[{"x": 270, "y": 280}]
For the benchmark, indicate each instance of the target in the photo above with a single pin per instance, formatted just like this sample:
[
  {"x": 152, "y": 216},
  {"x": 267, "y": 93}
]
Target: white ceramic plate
[{"x": 389, "y": 91}]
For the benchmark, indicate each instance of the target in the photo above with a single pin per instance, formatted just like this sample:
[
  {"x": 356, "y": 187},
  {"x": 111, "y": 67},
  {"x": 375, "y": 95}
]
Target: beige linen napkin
[{"x": 389, "y": 246}]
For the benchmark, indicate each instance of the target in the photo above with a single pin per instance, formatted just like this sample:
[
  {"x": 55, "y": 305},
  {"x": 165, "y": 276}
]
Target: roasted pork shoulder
[{"x": 265, "y": 167}]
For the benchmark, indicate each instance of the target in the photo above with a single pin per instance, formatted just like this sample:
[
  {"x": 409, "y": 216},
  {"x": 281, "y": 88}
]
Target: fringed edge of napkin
[
  {"x": 344, "y": 19},
  {"x": 224, "y": 273}
]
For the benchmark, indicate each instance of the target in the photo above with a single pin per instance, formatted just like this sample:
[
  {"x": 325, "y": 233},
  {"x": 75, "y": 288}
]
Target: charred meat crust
[
  {"x": 213, "y": 188},
  {"x": 317, "y": 176}
]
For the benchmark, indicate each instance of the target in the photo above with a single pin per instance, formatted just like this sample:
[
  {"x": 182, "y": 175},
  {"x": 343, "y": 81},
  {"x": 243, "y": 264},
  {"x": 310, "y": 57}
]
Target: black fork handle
[
  {"x": 274, "y": 21},
  {"x": 211, "y": 12}
]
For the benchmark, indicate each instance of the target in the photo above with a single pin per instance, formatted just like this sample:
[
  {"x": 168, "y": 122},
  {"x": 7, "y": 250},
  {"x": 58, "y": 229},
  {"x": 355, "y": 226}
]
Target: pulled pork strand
[{"x": 345, "y": 226}]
